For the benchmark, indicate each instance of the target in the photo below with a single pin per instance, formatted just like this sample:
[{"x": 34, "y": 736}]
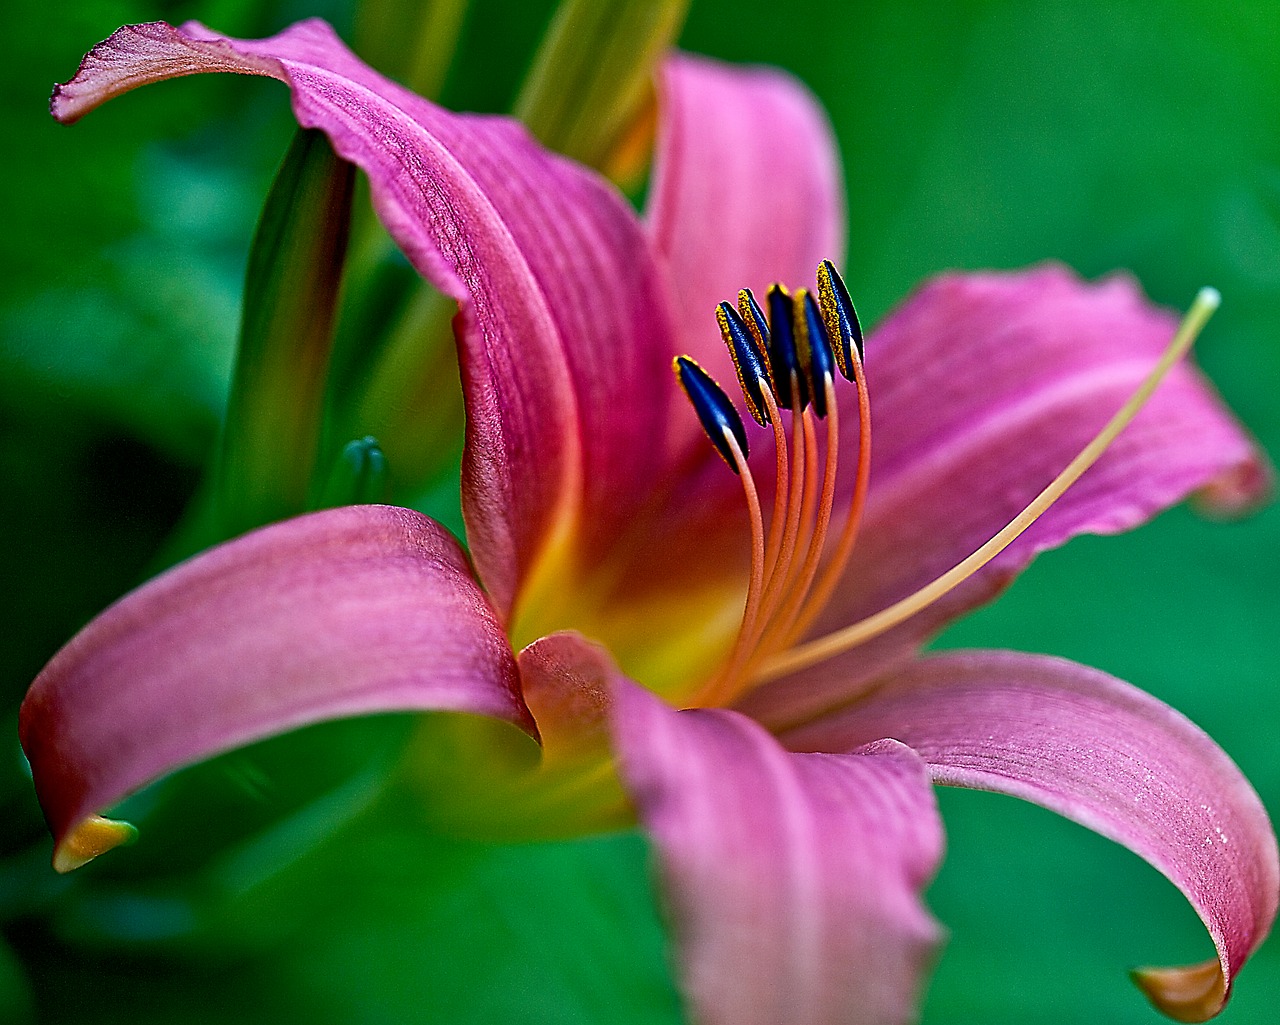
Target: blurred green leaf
[
  {"x": 411, "y": 40},
  {"x": 593, "y": 78},
  {"x": 272, "y": 434}
]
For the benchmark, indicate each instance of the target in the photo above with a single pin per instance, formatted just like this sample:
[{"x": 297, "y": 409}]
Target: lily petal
[
  {"x": 565, "y": 333},
  {"x": 792, "y": 881},
  {"x": 1103, "y": 754},
  {"x": 345, "y": 612},
  {"x": 747, "y": 190},
  {"x": 983, "y": 387}
]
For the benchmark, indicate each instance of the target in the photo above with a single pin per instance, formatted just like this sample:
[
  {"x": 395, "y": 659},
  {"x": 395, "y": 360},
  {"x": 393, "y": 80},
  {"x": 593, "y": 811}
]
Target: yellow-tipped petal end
[
  {"x": 94, "y": 836},
  {"x": 1191, "y": 993}
]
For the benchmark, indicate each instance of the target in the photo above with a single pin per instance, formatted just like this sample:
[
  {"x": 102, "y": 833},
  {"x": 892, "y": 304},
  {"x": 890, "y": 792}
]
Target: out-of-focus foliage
[{"x": 1105, "y": 134}]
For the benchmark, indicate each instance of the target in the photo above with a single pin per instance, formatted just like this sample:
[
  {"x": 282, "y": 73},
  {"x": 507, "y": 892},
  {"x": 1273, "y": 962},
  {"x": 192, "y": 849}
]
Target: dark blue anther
[
  {"x": 753, "y": 317},
  {"x": 840, "y": 317},
  {"x": 748, "y": 361},
  {"x": 784, "y": 359},
  {"x": 714, "y": 409},
  {"x": 815, "y": 352}
]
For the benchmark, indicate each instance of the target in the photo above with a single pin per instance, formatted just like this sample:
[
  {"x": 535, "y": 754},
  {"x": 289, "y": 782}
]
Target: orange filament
[
  {"x": 805, "y": 523},
  {"x": 817, "y": 600},
  {"x": 798, "y": 587},
  {"x": 772, "y": 557},
  {"x": 782, "y": 482},
  {"x": 780, "y": 564},
  {"x": 757, "y": 536}
]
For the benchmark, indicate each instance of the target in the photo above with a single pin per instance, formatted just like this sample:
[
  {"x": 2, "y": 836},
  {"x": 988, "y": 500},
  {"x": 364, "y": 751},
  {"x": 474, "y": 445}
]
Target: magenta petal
[
  {"x": 1102, "y": 753},
  {"x": 747, "y": 190},
  {"x": 346, "y": 612},
  {"x": 792, "y": 881},
  {"x": 983, "y": 387},
  {"x": 566, "y": 338}
]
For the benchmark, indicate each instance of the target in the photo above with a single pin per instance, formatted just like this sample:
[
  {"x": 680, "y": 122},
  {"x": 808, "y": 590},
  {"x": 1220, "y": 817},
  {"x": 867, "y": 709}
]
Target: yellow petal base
[
  {"x": 94, "y": 836},
  {"x": 1192, "y": 993}
]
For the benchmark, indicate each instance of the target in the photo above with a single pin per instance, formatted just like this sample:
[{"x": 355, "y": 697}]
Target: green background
[{"x": 1117, "y": 134}]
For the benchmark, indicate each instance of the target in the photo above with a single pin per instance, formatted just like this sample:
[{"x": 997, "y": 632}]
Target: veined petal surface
[
  {"x": 565, "y": 329},
  {"x": 346, "y": 612},
  {"x": 983, "y": 388},
  {"x": 792, "y": 881},
  {"x": 1103, "y": 754}
]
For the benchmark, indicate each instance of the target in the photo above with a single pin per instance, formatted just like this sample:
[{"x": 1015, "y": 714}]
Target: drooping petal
[
  {"x": 747, "y": 190},
  {"x": 565, "y": 332},
  {"x": 1103, "y": 754},
  {"x": 346, "y": 612},
  {"x": 792, "y": 881},
  {"x": 983, "y": 387}
]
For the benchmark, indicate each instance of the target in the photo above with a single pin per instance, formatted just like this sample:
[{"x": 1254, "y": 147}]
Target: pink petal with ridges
[
  {"x": 747, "y": 190},
  {"x": 566, "y": 336},
  {"x": 792, "y": 882},
  {"x": 1103, "y": 754},
  {"x": 347, "y": 612}
]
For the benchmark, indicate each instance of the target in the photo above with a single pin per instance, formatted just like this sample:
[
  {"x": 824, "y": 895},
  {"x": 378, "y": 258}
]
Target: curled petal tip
[
  {"x": 92, "y": 837},
  {"x": 1191, "y": 993}
]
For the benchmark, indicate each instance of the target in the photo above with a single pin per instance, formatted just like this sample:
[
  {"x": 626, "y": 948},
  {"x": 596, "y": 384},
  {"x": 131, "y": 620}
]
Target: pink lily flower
[{"x": 610, "y": 549}]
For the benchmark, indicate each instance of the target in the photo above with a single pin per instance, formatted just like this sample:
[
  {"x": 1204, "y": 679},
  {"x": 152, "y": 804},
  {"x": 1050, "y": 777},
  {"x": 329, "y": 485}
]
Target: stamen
[
  {"x": 873, "y": 626},
  {"x": 800, "y": 369},
  {"x": 781, "y": 566},
  {"x": 813, "y": 349},
  {"x": 840, "y": 317},
  {"x": 788, "y": 378},
  {"x": 748, "y": 361},
  {"x": 754, "y": 318},
  {"x": 780, "y": 627},
  {"x": 834, "y": 569},
  {"x": 716, "y": 689},
  {"x": 715, "y": 411},
  {"x": 782, "y": 484},
  {"x": 720, "y": 688},
  {"x": 809, "y": 509},
  {"x": 756, "y": 586},
  {"x": 747, "y": 335}
]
